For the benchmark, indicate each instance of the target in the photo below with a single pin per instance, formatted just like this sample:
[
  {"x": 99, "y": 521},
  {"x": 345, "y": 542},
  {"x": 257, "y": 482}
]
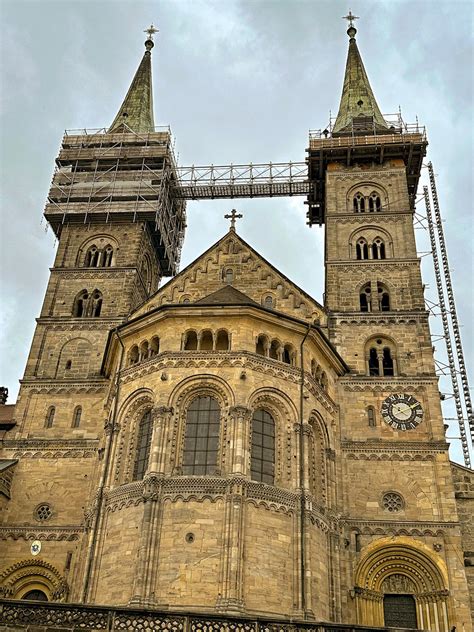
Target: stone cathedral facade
[{"x": 226, "y": 443}]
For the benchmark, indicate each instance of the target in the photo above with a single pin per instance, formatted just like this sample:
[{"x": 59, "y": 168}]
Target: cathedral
[{"x": 214, "y": 449}]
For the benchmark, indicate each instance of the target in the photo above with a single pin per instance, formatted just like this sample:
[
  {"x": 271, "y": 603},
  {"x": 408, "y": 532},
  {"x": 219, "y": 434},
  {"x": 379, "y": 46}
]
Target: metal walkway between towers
[{"x": 274, "y": 179}]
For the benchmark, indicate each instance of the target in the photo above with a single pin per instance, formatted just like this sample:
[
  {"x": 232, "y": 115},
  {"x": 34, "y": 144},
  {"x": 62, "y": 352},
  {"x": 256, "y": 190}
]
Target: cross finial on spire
[
  {"x": 233, "y": 216},
  {"x": 151, "y": 30},
  {"x": 350, "y": 18}
]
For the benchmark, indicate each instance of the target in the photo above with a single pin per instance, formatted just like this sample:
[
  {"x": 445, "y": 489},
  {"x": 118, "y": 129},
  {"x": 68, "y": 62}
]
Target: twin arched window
[
  {"x": 380, "y": 358},
  {"x": 87, "y": 304},
  {"x": 99, "y": 257},
  {"x": 371, "y": 202},
  {"x": 370, "y": 303},
  {"x": 374, "y": 250}
]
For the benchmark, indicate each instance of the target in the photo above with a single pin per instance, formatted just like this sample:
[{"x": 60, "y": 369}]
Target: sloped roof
[{"x": 227, "y": 295}]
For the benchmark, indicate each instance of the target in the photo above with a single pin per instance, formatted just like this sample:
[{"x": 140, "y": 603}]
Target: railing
[{"x": 46, "y": 617}]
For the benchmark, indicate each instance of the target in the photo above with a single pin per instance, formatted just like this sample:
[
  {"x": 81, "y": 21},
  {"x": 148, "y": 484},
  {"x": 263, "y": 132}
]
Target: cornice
[
  {"x": 385, "y": 445},
  {"x": 401, "y": 524},
  {"x": 39, "y": 385},
  {"x": 371, "y": 264},
  {"x": 390, "y": 217},
  {"x": 78, "y": 272},
  {"x": 65, "y": 323},
  {"x": 377, "y": 318},
  {"x": 52, "y": 448},
  {"x": 388, "y": 384}
]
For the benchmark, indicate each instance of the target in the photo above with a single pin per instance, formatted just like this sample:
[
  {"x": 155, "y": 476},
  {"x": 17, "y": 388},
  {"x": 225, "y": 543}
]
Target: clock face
[{"x": 402, "y": 412}]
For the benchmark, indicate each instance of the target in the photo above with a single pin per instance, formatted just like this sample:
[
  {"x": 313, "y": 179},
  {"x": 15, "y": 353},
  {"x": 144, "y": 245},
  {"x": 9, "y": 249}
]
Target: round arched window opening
[
  {"x": 43, "y": 512},
  {"x": 392, "y": 502}
]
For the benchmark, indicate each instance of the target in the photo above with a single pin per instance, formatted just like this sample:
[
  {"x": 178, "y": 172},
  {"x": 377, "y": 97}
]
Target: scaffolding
[
  {"x": 101, "y": 178},
  {"x": 452, "y": 335}
]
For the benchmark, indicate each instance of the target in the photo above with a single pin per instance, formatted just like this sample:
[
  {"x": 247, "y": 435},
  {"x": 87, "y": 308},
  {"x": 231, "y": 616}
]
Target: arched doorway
[
  {"x": 35, "y": 595},
  {"x": 399, "y": 611}
]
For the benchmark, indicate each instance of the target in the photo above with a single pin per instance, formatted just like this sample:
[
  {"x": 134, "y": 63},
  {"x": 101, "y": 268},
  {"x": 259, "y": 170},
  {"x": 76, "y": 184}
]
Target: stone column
[
  {"x": 159, "y": 440},
  {"x": 239, "y": 434},
  {"x": 230, "y": 598}
]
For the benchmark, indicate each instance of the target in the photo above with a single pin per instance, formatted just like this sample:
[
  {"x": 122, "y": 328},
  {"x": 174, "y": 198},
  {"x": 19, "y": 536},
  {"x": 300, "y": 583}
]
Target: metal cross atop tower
[
  {"x": 151, "y": 30},
  {"x": 233, "y": 216},
  {"x": 350, "y": 18}
]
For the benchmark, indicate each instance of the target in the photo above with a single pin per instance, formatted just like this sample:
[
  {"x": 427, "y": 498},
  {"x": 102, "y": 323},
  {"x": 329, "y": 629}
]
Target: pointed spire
[
  {"x": 136, "y": 111},
  {"x": 358, "y": 110}
]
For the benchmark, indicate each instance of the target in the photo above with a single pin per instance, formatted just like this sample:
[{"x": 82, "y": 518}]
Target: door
[{"x": 399, "y": 611}]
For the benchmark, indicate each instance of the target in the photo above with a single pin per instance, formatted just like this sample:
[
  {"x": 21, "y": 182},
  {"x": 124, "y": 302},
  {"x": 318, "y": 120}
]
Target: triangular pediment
[{"x": 232, "y": 272}]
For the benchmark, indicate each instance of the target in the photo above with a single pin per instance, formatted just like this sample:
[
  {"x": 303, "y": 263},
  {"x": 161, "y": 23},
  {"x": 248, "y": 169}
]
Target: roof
[
  {"x": 357, "y": 100},
  {"x": 136, "y": 111},
  {"x": 6, "y": 463},
  {"x": 227, "y": 295}
]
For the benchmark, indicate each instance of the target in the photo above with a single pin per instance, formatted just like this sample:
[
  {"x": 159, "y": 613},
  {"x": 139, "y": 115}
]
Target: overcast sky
[{"x": 238, "y": 81}]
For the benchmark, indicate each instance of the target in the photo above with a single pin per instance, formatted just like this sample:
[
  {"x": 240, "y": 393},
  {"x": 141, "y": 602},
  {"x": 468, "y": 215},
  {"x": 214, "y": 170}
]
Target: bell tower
[{"x": 394, "y": 454}]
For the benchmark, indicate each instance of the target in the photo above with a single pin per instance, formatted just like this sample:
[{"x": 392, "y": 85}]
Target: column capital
[
  {"x": 162, "y": 411},
  {"x": 241, "y": 412}
]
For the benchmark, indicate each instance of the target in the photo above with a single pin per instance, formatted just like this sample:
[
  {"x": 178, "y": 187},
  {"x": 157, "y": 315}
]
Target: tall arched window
[
  {"x": 262, "y": 345},
  {"x": 80, "y": 303},
  {"x": 107, "y": 256},
  {"x": 263, "y": 447},
  {"x": 387, "y": 362},
  {"x": 362, "y": 249},
  {"x": 154, "y": 346},
  {"x": 275, "y": 350},
  {"x": 359, "y": 203},
  {"x": 201, "y": 440},
  {"x": 133, "y": 355},
  {"x": 76, "y": 417},
  {"x": 371, "y": 416},
  {"x": 144, "y": 350},
  {"x": 145, "y": 429},
  {"x": 206, "y": 342},
  {"x": 49, "y": 420},
  {"x": 373, "y": 362},
  {"x": 288, "y": 354},
  {"x": 222, "y": 340}
]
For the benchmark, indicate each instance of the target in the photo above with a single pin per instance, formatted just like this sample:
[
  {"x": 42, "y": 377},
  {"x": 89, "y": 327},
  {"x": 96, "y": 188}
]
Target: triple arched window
[
  {"x": 142, "y": 451},
  {"x": 201, "y": 441},
  {"x": 206, "y": 340},
  {"x": 145, "y": 350},
  {"x": 371, "y": 203},
  {"x": 87, "y": 304},
  {"x": 284, "y": 352},
  {"x": 99, "y": 257}
]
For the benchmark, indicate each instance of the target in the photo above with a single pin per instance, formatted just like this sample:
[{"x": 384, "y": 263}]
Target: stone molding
[
  {"x": 37, "y": 386},
  {"x": 377, "y": 318},
  {"x": 52, "y": 448},
  {"x": 395, "y": 446},
  {"x": 58, "y": 534},
  {"x": 401, "y": 527},
  {"x": 66, "y": 323},
  {"x": 389, "y": 384}
]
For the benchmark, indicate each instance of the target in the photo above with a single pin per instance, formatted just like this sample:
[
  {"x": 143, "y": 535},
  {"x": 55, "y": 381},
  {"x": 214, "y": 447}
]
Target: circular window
[
  {"x": 392, "y": 502},
  {"x": 189, "y": 537},
  {"x": 43, "y": 512}
]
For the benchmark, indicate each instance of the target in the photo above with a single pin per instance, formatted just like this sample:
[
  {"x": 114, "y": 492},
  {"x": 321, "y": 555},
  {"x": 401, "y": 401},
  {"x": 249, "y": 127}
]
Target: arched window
[
  {"x": 263, "y": 447},
  {"x": 207, "y": 341},
  {"x": 35, "y": 595},
  {"x": 375, "y": 204},
  {"x": 324, "y": 381},
  {"x": 92, "y": 257},
  {"x": 49, "y": 420},
  {"x": 371, "y": 416},
  {"x": 222, "y": 341},
  {"x": 229, "y": 276},
  {"x": 80, "y": 303},
  {"x": 96, "y": 303},
  {"x": 288, "y": 354},
  {"x": 373, "y": 362},
  {"x": 313, "y": 367},
  {"x": 378, "y": 249},
  {"x": 145, "y": 429},
  {"x": 387, "y": 362},
  {"x": 133, "y": 355},
  {"x": 190, "y": 341},
  {"x": 359, "y": 203},
  {"x": 68, "y": 365},
  {"x": 154, "y": 346},
  {"x": 144, "y": 350},
  {"x": 262, "y": 345},
  {"x": 365, "y": 299},
  {"x": 275, "y": 350},
  {"x": 362, "y": 249},
  {"x": 268, "y": 302},
  {"x": 383, "y": 298},
  {"x": 201, "y": 440},
  {"x": 107, "y": 256},
  {"x": 76, "y": 417}
]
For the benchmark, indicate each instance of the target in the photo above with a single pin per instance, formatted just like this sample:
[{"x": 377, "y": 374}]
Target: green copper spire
[
  {"x": 358, "y": 110},
  {"x": 136, "y": 111}
]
